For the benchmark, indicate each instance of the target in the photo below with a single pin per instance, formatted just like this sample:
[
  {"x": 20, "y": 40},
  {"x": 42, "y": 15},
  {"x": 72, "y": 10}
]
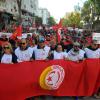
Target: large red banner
[{"x": 19, "y": 81}]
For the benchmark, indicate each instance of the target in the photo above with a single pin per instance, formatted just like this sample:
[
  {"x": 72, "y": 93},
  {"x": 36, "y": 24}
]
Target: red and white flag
[{"x": 17, "y": 33}]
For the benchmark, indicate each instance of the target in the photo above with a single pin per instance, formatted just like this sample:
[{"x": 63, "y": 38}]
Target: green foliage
[
  {"x": 96, "y": 4},
  {"x": 73, "y": 19},
  {"x": 90, "y": 11},
  {"x": 51, "y": 21},
  {"x": 38, "y": 20},
  {"x": 85, "y": 12}
]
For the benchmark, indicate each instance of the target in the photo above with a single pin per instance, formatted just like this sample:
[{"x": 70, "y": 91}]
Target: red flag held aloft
[
  {"x": 17, "y": 33},
  {"x": 59, "y": 27}
]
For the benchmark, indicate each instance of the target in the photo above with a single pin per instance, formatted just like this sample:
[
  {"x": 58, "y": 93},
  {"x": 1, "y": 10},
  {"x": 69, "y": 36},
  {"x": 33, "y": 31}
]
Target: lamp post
[{"x": 91, "y": 17}]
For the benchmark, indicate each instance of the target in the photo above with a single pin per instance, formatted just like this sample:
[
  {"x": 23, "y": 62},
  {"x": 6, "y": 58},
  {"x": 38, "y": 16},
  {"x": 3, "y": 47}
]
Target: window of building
[
  {"x": 15, "y": 8},
  {"x": 31, "y": 2},
  {"x": 11, "y": 10},
  {"x": 24, "y": 6},
  {"x": 31, "y": 6}
]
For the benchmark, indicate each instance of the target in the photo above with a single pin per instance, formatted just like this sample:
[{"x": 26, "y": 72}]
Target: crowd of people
[{"x": 45, "y": 46}]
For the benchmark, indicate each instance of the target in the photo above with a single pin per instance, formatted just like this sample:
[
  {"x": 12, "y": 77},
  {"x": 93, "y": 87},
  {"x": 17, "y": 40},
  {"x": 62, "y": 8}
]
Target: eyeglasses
[
  {"x": 22, "y": 43},
  {"x": 6, "y": 47}
]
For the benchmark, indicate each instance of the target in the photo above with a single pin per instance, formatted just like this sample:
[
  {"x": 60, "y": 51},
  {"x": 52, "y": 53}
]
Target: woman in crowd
[
  {"x": 58, "y": 53},
  {"x": 33, "y": 46},
  {"x": 29, "y": 39},
  {"x": 7, "y": 56},
  {"x": 53, "y": 44},
  {"x": 3, "y": 39}
]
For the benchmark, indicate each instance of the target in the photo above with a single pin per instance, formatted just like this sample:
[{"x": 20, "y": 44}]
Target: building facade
[
  {"x": 8, "y": 8},
  {"x": 30, "y": 5},
  {"x": 11, "y": 6},
  {"x": 44, "y": 14},
  {"x": 29, "y": 9}
]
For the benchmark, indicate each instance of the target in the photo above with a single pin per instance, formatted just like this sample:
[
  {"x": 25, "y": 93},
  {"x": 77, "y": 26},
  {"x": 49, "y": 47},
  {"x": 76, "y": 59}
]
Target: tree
[
  {"x": 91, "y": 13},
  {"x": 93, "y": 5},
  {"x": 38, "y": 21},
  {"x": 19, "y": 3},
  {"x": 85, "y": 12},
  {"x": 51, "y": 21},
  {"x": 96, "y": 4},
  {"x": 73, "y": 20}
]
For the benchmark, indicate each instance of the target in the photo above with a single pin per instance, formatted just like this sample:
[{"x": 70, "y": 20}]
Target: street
[{"x": 68, "y": 98}]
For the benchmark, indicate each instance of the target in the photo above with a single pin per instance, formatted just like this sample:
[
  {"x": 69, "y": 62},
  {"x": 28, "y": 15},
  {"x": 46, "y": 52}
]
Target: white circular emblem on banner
[{"x": 52, "y": 77}]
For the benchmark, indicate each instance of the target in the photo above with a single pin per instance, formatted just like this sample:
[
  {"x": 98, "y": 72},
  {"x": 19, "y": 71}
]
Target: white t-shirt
[
  {"x": 92, "y": 53},
  {"x": 59, "y": 55},
  {"x": 32, "y": 49},
  {"x": 6, "y": 58},
  {"x": 41, "y": 54},
  {"x": 23, "y": 55},
  {"x": 76, "y": 57}
]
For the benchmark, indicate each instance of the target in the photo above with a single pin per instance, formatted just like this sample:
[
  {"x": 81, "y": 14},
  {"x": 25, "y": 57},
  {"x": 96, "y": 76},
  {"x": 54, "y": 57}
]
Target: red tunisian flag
[
  {"x": 59, "y": 35},
  {"x": 20, "y": 81},
  {"x": 17, "y": 33},
  {"x": 59, "y": 27}
]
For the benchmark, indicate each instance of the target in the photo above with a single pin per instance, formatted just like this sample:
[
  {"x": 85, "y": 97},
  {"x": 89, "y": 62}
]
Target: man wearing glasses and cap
[
  {"x": 23, "y": 52},
  {"x": 42, "y": 51},
  {"x": 76, "y": 54},
  {"x": 93, "y": 51}
]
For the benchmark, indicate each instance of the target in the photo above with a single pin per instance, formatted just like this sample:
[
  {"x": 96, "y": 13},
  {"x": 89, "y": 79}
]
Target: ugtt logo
[{"x": 53, "y": 77}]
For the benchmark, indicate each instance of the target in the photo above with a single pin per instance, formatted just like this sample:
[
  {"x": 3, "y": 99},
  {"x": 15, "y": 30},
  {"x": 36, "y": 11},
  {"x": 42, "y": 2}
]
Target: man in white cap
[{"x": 76, "y": 54}]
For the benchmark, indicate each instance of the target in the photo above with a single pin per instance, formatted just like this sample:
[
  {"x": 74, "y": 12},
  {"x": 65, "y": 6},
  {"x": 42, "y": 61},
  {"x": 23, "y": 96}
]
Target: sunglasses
[
  {"x": 22, "y": 43},
  {"x": 6, "y": 47}
]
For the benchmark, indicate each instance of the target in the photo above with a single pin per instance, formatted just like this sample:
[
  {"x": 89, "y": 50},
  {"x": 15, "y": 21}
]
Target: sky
[{"x": 58, "y": 8}]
